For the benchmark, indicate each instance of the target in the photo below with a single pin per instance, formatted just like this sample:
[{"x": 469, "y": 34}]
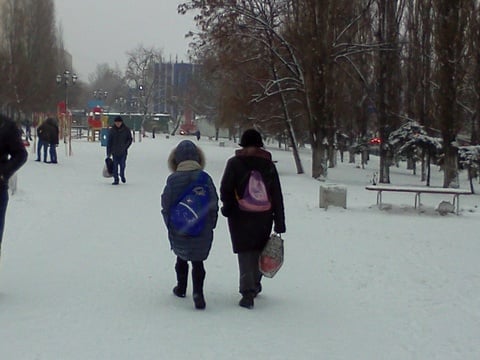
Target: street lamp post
[
  {"x": 100, "y": 95},
  {"x": 121, "y": 102},
  {"x": 66, "y": 79}
]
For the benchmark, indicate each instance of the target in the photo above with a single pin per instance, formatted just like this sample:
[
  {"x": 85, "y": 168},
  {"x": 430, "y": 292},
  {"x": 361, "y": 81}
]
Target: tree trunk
[
  {"x": 450, "y": 168},
  {"x": 428, "y": 169},
  {"x": 319, "y": 163}
]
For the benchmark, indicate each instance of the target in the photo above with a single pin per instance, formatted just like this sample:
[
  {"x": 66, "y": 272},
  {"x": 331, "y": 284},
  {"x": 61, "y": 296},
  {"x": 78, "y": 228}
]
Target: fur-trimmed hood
[{"x": 185, "y": 157}]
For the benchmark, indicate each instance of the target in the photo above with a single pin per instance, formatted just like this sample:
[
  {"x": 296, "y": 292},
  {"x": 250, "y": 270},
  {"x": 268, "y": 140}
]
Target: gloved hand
[{"x": 279, "y": 228}]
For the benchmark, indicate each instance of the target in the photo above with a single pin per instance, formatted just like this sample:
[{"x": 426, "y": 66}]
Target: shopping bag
[
  {"x": 271, "y": 258},
  {"x": 108, "y": 168}
]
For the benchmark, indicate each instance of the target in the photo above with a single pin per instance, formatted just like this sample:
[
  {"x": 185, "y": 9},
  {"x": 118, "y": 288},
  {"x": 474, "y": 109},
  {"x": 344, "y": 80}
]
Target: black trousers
[
  {"x": 198, "y": 275},
  {"x": 250, "y": 275}
]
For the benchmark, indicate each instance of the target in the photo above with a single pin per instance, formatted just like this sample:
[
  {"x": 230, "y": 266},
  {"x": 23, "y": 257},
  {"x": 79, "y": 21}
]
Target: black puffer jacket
[
  {"x": 250, "y": 230},
  {"x": 48, "y": 131},
  {"x": 119, "y": 140},
  {"x": 12, "y": 151}
]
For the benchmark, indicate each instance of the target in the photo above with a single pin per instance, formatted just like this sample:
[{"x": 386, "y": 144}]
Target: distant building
[{"x": 171, "y": 84}]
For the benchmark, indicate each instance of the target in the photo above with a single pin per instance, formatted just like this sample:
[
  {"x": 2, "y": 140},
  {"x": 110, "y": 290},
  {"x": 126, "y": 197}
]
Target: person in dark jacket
[
  {"x": 118, "y": 142},
  {"x": 12, "y": 156},
  {"x": 28, "y": 130},
  {"x": 187, "y": 162},
  {"x": 43, "y": 140},
  {"x": 249, "y": 231},
  {"x": 48, "y": 135},
  {"x": 53, "y": 135}
]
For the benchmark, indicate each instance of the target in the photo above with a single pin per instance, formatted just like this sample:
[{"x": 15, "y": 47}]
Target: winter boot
[
  {"x": 181, "y": 268},
  {"x": 199, "y": 301},
  {"x": 247, "y": 300},
  {"x": 198, "y": 277}
]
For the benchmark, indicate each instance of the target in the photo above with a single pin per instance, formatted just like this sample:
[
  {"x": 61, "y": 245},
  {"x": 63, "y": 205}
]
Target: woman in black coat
[{"x": 249, "y": 231}]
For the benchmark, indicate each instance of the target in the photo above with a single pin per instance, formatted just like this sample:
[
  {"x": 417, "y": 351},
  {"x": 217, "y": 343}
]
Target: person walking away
[
  {"x": 51, "y": 127},
  {"x": 43, "y": 140},
  {"x": 250, "y": 226},
  {"x": 189, "y": 188},
  {"x": 28, "y": 130},
  {"x": 12, "y": 156},
  {"x": 118, "y": 142}
]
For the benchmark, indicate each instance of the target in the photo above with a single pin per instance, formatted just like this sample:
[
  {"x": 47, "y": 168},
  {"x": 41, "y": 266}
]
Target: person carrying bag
[{"x": 252, "y": 203}]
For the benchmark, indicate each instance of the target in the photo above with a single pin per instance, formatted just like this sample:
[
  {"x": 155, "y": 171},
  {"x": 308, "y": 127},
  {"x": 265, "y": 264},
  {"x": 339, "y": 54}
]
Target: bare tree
[
  {"x": 450, "y": 26},
  {"x": 474, "y": 84},
  {"x": 28, "y": 49},
  {"x": 140, "y": 73},
  {"x": 390, "y": 13},
  {"x": 267, "y": 61},
  {"x": 110, "y": 80}
]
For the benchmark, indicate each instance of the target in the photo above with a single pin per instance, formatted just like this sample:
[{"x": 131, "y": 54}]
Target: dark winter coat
[
  {"x": 12, "y": 151},
  {"x": 249, "y": 231},
  {"x": 48, "y": 131},
  {"x": 184, "y": 173},
  {"x": 119, "y": 140}
]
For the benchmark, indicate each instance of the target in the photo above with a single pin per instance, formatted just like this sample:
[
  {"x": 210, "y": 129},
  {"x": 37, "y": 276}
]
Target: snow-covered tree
[
  {"x": 411, "y": 140},
  {"x": 469, "y": 158}
]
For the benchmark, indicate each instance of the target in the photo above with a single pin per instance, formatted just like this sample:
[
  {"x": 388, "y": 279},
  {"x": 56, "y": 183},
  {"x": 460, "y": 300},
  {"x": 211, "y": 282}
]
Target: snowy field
[{"x": 86, "y": 270}]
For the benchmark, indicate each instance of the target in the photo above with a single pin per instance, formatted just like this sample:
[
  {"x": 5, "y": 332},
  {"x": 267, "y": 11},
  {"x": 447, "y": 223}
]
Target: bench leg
[
  {"x": 417, "y": 200},
  {"x": 456, "y": 203}
]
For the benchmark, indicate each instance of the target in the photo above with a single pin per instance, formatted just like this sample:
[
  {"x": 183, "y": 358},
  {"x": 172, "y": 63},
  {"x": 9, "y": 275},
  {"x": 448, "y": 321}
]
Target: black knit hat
[
  {"x": 118, "y": 118},
  {"x": 251, "y": 137}
]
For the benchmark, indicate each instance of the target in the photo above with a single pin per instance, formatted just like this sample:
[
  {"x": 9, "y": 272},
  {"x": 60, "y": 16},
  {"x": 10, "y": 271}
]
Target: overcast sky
[{"x": 102, "y": 31}]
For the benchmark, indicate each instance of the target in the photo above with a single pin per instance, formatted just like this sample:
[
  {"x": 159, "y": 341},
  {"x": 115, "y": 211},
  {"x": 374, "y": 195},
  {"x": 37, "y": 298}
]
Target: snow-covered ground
[{"x": 86, "y": 270}]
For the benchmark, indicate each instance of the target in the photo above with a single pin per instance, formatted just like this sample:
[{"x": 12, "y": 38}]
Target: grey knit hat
[{"x": 186, "y": 150}]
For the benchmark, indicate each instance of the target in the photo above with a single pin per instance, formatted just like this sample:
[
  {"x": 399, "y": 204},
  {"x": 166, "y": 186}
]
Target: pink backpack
[{"x": 255, "y": 197}]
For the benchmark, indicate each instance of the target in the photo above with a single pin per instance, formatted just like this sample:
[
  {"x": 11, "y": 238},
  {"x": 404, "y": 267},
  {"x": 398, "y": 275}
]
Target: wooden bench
[{"x": 417, "y": 190}]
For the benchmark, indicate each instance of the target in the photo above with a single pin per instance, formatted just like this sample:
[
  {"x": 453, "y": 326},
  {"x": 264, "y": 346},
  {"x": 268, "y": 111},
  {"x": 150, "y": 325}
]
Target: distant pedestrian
[
  {"x": 28, "y": 130},
  {"x": 42, "y": 144},
  {"x": 53, "y": 137},
  {"x": 250, "y": 225},
  {"x": 190, "y": 240},
  {"x": 12, "y": 156},
  {"x": 118, "y": 142}
]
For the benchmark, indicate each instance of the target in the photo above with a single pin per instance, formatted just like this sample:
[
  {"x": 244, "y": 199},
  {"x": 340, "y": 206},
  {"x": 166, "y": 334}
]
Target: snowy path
[{"x": 86, "y": 271}]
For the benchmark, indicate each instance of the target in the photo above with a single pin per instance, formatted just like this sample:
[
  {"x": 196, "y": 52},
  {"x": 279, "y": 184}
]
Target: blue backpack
[{"x": 188, "y": 214}]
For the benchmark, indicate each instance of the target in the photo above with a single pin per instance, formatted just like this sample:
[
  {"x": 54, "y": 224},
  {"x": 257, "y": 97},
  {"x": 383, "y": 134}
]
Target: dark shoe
[
  {"x": 247, "y": 301},
  {"x": 115, "y": 182},
  {"x": 124, "y": 180},
  {"x": 38, "y": 160},
  {"x": 178, "y": 292},
  {"x": 46, "y": 162},
  {"x": 199, "y": 301},
  {"x": 53, "y": 162}
]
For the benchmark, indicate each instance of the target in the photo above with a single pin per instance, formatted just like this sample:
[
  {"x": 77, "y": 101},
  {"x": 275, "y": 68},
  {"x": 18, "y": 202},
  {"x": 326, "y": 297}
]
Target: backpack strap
[{"x": 200, "y": 179}]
